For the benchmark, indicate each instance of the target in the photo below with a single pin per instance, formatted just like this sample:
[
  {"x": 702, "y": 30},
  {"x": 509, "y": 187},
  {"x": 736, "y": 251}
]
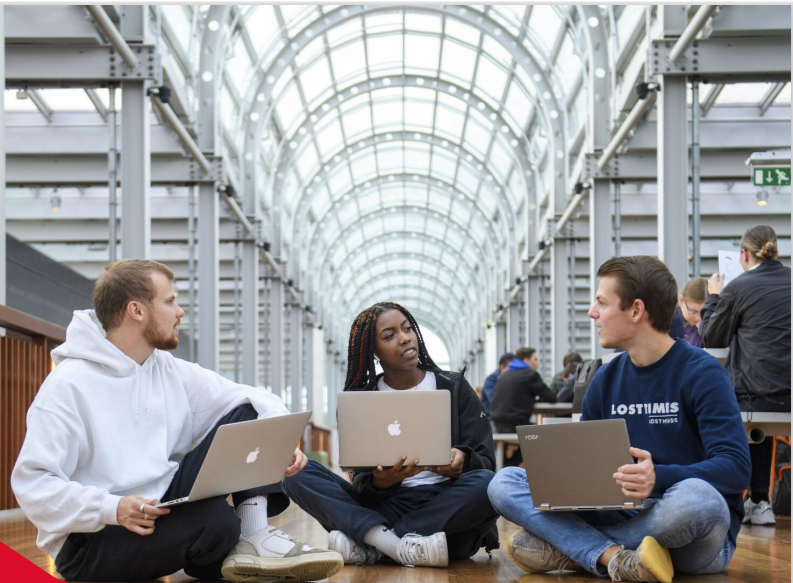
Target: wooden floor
[{"x": 763, "y": 556}]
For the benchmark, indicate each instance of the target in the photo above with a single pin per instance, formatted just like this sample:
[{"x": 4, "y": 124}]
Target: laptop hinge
[
  {"x": 545, "y": 506},
  {"x": 629, "y": 505}
]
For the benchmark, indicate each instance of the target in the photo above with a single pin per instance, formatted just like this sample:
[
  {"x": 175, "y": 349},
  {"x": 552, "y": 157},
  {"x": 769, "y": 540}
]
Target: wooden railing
[{"x": 24, "y": 364}]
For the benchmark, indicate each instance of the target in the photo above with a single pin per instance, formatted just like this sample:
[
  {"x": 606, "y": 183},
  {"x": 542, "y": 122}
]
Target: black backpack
[
  {"x": 781, "y": 501},
  {"x": 583, "y": 376}
]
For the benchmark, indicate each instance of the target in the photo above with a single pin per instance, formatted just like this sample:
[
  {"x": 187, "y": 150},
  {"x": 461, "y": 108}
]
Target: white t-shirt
[{"x": 426, "y": 477}]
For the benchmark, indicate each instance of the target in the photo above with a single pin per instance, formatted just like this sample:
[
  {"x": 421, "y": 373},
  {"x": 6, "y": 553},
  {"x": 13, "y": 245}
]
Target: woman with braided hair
[{"x": 416, "y": 515}]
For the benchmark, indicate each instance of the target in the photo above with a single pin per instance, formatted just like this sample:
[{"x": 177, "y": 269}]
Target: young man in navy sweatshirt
[{"x": 692, "y": 458}]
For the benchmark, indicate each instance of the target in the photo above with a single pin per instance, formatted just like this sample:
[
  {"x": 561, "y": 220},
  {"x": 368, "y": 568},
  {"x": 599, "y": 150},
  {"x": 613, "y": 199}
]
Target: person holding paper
[{"x": 751, "y": 315}]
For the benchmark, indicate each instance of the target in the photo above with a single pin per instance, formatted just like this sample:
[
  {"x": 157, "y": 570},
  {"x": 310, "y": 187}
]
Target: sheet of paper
[{"x": 729, "y": 265}]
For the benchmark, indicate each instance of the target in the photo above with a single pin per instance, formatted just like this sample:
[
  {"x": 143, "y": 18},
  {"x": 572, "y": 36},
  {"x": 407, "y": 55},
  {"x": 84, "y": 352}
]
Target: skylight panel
[
  {"x": 387, "y": 114},
  {"x": 440, "y": 200},
  {"x": 65, "y": 99},
  {"x": 316, "y": 80},
  {"x": 389, "y": 160},
  {"x": 392, "y": 196},
  {"x": 544, "y": 24},
  {"x": 262, "y": 26},
  {"x": 369, "y": 202},
  {"x": 417, "y": 161},
  {"x": 491, "y": 79},
  {"x": 462, "y": 212},
  {"x": 310, "y": 52},
  {"x": 357, "y": 123},
  {"x": 239, "y": 67},
  {"x": 742, "y": 93},
  {"x": 418, "y": 115},
  {"x": 496, "y": 52},
  {"x": 330, "y": 138},
  {"x": 477, "y": 139},
  {"x": 517, "y": 105},
  {"x": 181, "y": 25},
  {"x": 422, "y": 53},
  {"x": 321, "y": 202},
  {"x": 458, "y": 61},
  {"x": 307, "y": 160},
  {"x": 343, "y": 31},
  {"x": 416, "y": 194},
  {"x": 462, "y": 31},
  {"x": 422, "y": 22},
  {"x": 466, "y": 179},
  {"x": 443, "y": 167},
  {"x": 454, "y": 235},
  {"x": 384, "y": 51},
  {"x": 289, "y": 106},
  {"x": 449, "y": 123},
  {"x": 363, "y": 168},
  {"x": 296, "y": 16},
  {"x": 384, "y": 22},
  {"x": 500, "y": 160},
  {"x": 568, "y": 65},
  {"x": 348, "y": 60},
  {"x": 339, "y": 181}
]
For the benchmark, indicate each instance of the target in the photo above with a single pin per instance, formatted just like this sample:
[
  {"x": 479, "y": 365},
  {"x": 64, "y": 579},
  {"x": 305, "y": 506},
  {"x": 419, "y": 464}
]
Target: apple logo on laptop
[
  {"x": 252, "y": 456},
  {"x": 393, "y": 428}
]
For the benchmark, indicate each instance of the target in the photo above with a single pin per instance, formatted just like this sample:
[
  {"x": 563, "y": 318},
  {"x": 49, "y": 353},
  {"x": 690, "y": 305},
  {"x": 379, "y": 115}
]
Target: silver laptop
[
  {"x": 247, "y": 455},
  {"x": 376, "y": 428},
  {"x": 570, "y": 466}
]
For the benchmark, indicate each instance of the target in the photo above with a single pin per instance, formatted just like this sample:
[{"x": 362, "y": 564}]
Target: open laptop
[
  {"x": 376, "y": 428},
  {"x": 570, "y": 466},
  {"x": 247, "y": 455}
]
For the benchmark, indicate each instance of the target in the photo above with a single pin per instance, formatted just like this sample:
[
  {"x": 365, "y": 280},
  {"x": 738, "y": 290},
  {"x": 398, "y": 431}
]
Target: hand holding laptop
[
  {"x": 299, "y": 461},
  {"x": 387, "y": 478},
  {"x": 637, "y": 480},
  {"x": 455, "y": 468},
  {"x": 137, "y": 514}
]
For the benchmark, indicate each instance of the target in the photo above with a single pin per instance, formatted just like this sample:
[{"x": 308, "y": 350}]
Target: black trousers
[
  {"x": 760, "y": 482},
  {"x": 458, "y": 507},
  {"x": 195, "y": 537}
]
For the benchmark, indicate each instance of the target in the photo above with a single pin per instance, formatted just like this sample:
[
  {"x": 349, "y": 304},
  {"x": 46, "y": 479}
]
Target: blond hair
[
  {"x": 760, "y": 241},
  {"x": 696, "y": 290},
  {"x": 122, "y": 282}
]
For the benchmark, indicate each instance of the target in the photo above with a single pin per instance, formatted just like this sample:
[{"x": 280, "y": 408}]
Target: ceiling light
[
  {"x": 762, "y": 198},
  {"x": 22, "y": 94},
  {"x": 55, "y": 202}
]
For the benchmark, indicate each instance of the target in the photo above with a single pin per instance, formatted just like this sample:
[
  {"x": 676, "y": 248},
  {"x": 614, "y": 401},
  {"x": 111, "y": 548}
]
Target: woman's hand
[
  {"x": 384, "y": 479},
  {"x": 716, "y": 283}
]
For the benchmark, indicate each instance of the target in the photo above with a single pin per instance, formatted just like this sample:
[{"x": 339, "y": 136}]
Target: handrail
[
  {"x": 25, "y": 323},
  {"x": 113, "y": 35}
]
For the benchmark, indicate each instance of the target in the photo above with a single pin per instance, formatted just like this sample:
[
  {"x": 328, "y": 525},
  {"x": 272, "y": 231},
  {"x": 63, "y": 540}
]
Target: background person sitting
[
  {"x": 489, "y": 388},
  {"x": 751, "y": 315},
  {"x": 558, "y": 381},
  {"x": 687, "y": 316}
]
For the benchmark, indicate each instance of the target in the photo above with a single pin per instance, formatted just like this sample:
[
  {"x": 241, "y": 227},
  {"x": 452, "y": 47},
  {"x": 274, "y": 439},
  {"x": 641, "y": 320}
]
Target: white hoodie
[{"x": 103, "y": 427}]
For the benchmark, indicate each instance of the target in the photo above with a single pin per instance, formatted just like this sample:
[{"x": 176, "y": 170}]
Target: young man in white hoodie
[{"x": 121, "y": 424}]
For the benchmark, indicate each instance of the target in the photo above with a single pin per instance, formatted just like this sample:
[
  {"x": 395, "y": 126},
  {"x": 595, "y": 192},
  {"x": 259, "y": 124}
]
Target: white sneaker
[
  {"x": 272, "y": 554},
  {"x": 759, "y": 514},
  {"x": 351, "y": 552},
  {"x": 423, "y": 551}
]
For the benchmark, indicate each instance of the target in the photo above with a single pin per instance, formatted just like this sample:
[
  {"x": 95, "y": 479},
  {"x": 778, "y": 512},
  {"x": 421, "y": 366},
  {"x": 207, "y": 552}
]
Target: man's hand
[
  {"x": 637, "y": 480},
  {"x": 299, "y": 461},
  {"x": 716, "y": 283},
  {"x": 137, "y": 514},
  {"x": 455, "y": 468},
  {"x": 384, "y": 479}
]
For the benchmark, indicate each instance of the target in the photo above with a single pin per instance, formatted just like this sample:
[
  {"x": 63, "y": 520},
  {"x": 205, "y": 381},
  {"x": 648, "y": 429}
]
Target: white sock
[
  {"x": 253, "y": 515},
  {"x": 384, "y": 540}
]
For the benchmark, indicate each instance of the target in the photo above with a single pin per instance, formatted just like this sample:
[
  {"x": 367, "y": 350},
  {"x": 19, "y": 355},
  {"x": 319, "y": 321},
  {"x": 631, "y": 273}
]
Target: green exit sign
[{"x": 771, "y": 176}]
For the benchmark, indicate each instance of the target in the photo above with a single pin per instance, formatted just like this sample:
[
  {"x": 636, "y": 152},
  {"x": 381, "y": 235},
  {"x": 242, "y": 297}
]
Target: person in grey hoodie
[{"x": 121, "y": 424}]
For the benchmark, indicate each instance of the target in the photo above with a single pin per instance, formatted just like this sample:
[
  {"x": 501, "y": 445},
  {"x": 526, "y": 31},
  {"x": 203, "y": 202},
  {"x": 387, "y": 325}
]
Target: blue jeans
[
  {"x": 691, "y": 519},
  {"x": 458, "y": 507}
]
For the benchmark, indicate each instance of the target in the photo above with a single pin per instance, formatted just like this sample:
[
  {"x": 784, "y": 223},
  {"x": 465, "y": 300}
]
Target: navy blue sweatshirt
[{"x": 682, "y": 409}]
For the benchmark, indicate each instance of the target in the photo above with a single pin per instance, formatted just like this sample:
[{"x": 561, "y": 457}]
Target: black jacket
[
  {"x": 516, "y": 392},
  {"x": 471, "y": 431},
  {"x": 752, "y": 317}
]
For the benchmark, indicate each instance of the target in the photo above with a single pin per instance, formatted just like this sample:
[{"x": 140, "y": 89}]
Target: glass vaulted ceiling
[{"x": 399, "y": 142}]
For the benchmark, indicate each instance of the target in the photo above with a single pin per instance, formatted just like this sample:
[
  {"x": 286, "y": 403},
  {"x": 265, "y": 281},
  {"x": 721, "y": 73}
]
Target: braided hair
[{"x": 360, "y": 352}]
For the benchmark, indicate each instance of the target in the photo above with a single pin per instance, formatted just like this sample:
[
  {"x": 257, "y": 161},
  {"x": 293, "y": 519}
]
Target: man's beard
[{"x": 157, "y": 341}]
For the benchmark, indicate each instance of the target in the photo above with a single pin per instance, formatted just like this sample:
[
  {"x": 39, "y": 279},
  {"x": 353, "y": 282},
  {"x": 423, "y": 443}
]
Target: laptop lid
[
  {"x": 570, "y": 466},
  {"x": 376, "y": 428},
  {"x": 249, "y": 454}
]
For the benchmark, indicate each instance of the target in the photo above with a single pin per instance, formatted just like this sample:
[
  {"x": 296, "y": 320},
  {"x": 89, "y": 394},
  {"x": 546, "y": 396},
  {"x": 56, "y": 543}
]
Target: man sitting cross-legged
[
  {"x": 120, "y": 424},
  {"x": 692, "y": 459}
]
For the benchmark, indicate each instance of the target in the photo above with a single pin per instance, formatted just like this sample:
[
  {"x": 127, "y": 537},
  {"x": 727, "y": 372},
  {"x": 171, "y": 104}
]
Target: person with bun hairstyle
[{"x": 751, "y": 315}]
